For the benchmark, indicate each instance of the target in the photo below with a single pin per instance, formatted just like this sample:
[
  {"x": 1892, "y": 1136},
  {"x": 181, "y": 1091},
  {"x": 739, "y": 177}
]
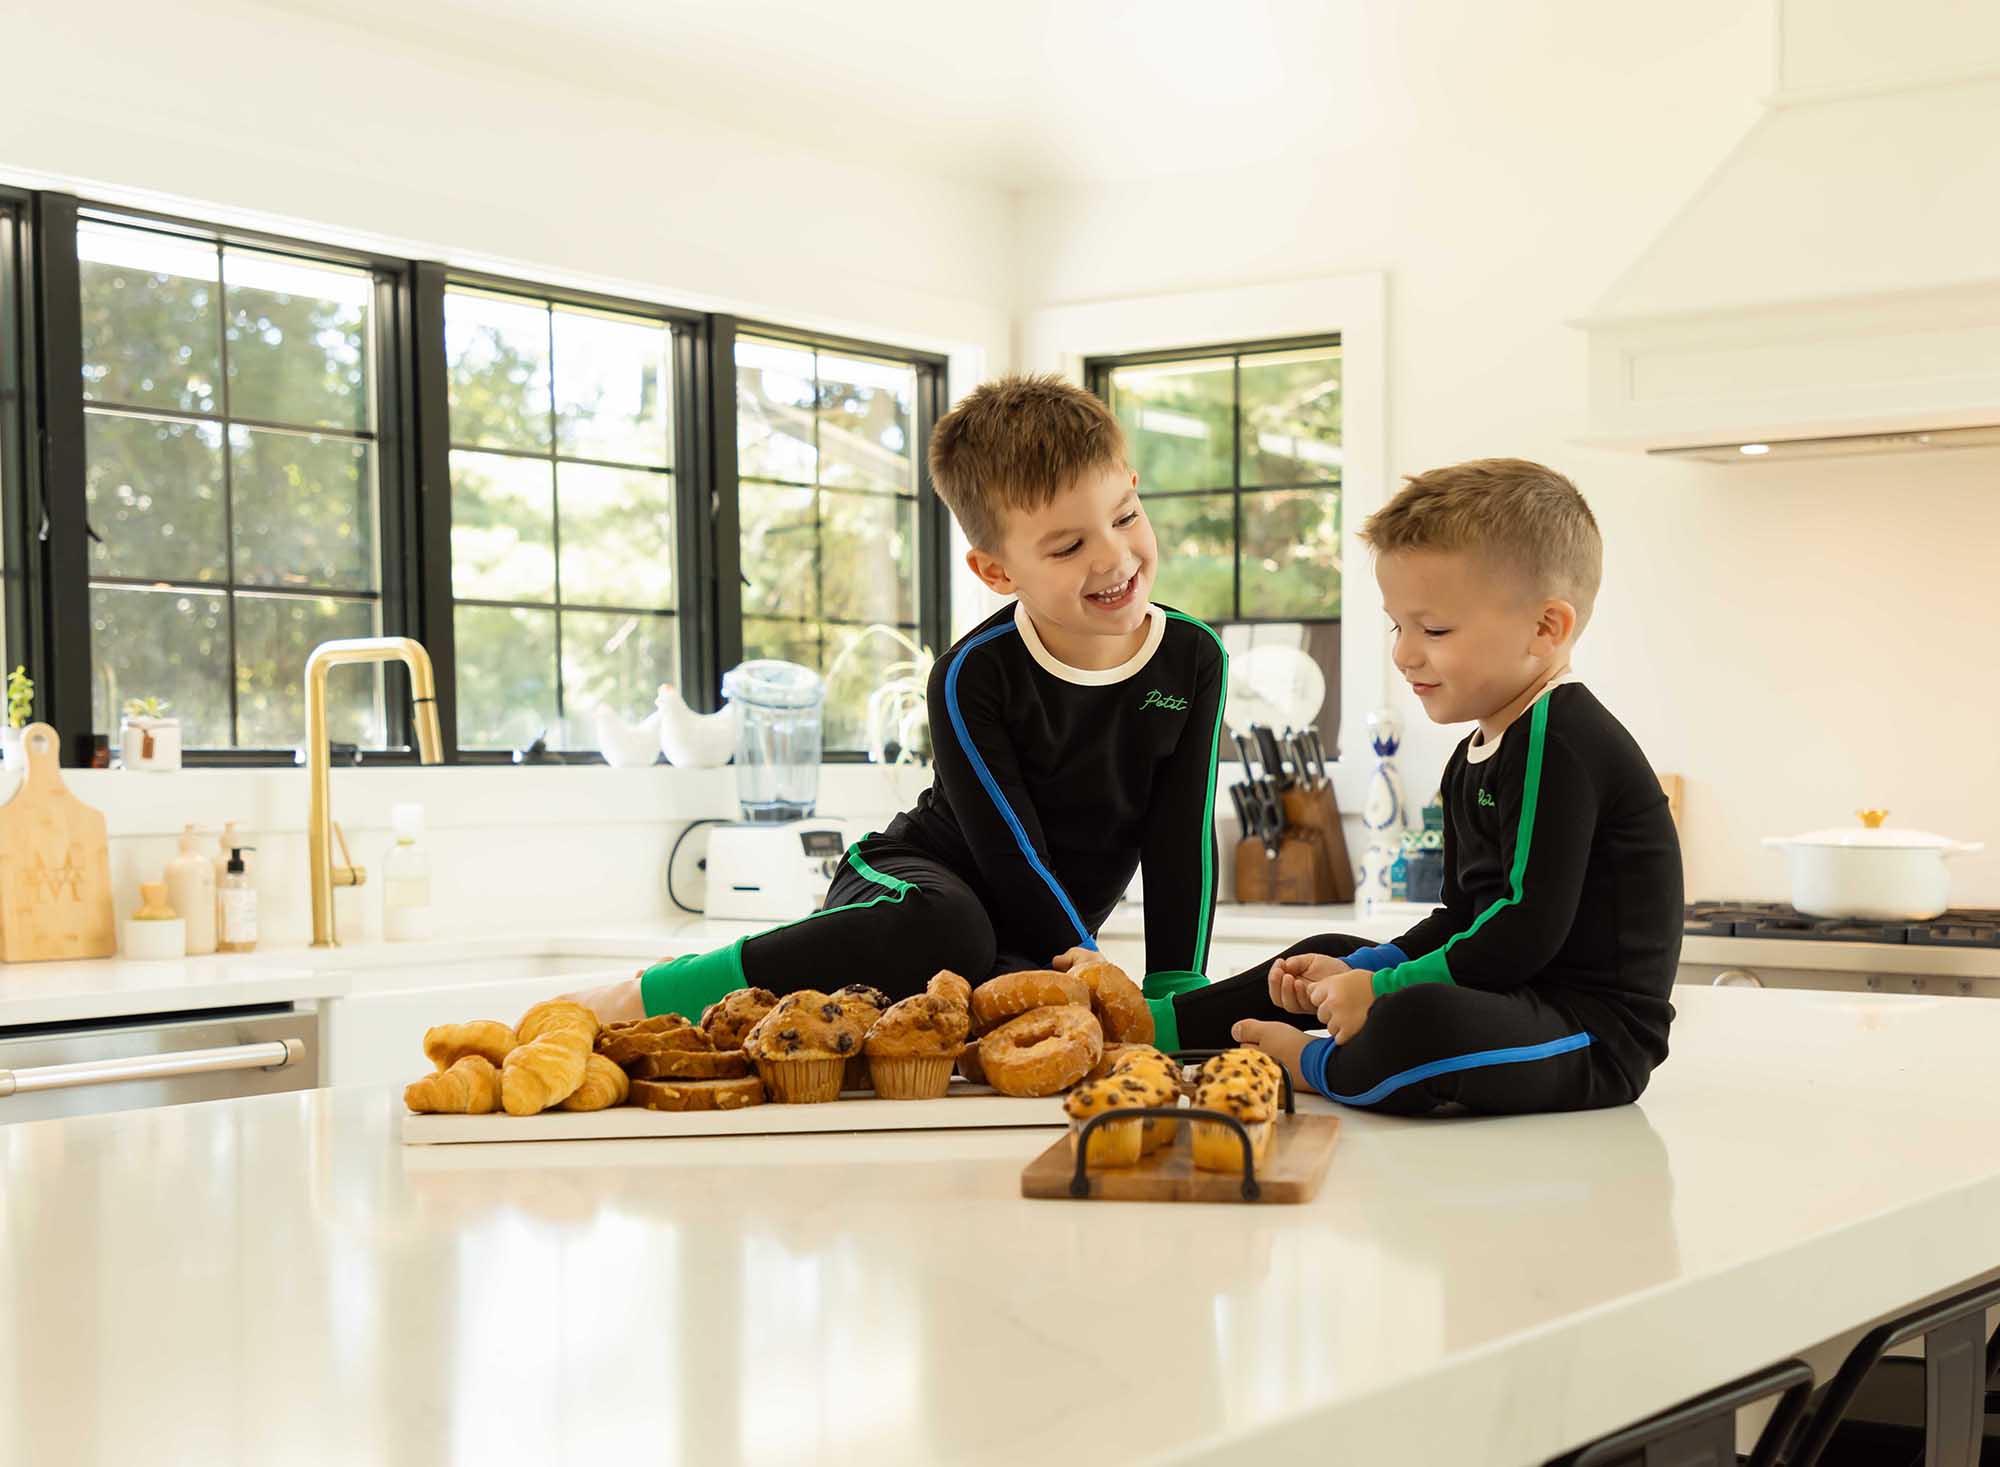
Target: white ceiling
[{"x": 1019, "y": 93}]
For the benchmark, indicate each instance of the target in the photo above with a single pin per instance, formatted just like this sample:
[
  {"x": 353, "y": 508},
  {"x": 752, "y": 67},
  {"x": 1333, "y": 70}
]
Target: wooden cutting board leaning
[{"x": 55, "y": 865}]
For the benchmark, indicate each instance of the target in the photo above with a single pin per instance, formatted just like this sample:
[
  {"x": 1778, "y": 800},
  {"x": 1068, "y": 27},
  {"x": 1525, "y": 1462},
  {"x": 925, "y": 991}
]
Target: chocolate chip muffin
[
  {"x": 802, "y": 1046},
  {"x": 865, "y": 1005},
  {"x": 911, "y": 1048},
  {"x": 736, "y": 1015}
]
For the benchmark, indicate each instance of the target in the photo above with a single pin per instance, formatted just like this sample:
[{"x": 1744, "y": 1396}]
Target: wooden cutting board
[
  {"x": 966, "y": 1108},
  {"x": 55, "y": 865},
  {"x": 1291, "y": 1171}
]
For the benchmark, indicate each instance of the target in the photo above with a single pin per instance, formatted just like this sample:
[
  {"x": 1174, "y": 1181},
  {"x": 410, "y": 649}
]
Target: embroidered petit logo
[
  {"x": 1158, "y": 699},
  {"x": 1488, "y": 801}
]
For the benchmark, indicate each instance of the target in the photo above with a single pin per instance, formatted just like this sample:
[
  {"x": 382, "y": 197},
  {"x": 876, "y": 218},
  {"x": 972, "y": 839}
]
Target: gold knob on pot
[{"x": 1872, "y": 818}]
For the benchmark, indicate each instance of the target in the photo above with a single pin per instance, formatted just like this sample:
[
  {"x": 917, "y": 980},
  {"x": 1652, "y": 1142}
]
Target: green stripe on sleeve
[
  {"x": 1199, "y": 962},
  {"x": 1435, "y": 967}
]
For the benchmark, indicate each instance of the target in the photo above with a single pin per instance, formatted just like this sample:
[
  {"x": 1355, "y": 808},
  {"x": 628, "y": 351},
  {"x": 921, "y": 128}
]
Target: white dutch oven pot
[{"x": 1870, "y": 871}]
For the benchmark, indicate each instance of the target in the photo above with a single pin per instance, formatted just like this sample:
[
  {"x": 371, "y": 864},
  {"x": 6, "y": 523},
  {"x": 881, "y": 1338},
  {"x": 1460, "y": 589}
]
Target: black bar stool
[
  {"x": 1702, "y": 1432},
  {"x": 1958, "y": 1363}
]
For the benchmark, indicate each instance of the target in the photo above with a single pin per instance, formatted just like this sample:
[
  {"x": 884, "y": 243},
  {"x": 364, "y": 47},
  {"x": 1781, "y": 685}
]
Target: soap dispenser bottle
[
  {"x": 239, "y": 905},
  {"x": 191, "y": 888},
  {"x": 228, "y": 842},
  {"x": 406, "y": 879}
]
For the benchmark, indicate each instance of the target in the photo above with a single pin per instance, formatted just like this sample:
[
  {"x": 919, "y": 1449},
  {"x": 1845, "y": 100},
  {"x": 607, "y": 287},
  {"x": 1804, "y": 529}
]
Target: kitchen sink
[{"x": 388, "y": 971}]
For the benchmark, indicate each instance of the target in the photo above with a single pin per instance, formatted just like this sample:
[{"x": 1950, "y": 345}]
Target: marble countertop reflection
[{"x": 278, "y": 1280}]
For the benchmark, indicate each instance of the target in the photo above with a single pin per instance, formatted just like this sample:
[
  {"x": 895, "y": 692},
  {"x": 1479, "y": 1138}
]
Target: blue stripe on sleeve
[
  {"x": 1312, "y": 1063},
  {"x": 992, "y": 786},
  {"x": 1375, "y": 959}
]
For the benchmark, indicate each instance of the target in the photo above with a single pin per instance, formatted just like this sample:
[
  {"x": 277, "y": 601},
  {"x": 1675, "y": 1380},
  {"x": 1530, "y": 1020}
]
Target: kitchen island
[{"x": 277, "y": 1279}]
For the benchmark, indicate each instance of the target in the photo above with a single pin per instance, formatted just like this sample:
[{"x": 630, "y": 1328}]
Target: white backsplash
[
  {"x": 507, "y": 844},
  {"x": 574, "y": 845}
]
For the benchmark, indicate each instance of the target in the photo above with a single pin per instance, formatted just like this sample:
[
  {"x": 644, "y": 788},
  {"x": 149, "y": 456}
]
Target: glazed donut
[
  {"x": 1043, "y": 1051},
  {"x": 1119, "y": 1005},
  {"x": 999, "y": 999}
]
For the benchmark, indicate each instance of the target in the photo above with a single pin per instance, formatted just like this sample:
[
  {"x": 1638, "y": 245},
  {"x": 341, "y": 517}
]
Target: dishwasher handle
[{"x": 273, "y": 1054}]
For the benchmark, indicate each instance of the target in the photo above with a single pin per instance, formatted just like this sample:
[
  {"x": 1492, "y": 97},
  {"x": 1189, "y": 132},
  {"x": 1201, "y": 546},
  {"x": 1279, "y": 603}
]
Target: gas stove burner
[{"x": 1969, "y": 927}]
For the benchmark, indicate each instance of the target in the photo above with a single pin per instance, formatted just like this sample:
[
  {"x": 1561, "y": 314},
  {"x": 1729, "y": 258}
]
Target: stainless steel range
[
  {"x": 1769, "y": 944},
  {"x": 1969, "y": 927}
]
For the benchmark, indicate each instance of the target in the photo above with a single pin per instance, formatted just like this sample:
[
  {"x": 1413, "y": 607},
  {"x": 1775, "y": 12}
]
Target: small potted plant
[
  {"x": 148, "y": 738},
  {"x": 20, "y": 708}
]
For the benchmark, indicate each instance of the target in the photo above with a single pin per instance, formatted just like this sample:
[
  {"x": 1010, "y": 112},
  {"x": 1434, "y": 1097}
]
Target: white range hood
[{"x": 1833, "y": 288}]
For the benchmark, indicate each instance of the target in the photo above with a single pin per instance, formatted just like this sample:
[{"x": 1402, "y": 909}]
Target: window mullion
[
  {"x": 430, "y": 511},
  {"x": 18, "y": 408},
  {"x": 61, "y": 556},
  {"x": 399, "y": 560},
  {"x": 555, "y": 530},
  {"x": 726, "y": 530},
  {"x": 694, "y": 519},
  {"x": 228, "y": 490},
  {"x": 933, "y": 520}
]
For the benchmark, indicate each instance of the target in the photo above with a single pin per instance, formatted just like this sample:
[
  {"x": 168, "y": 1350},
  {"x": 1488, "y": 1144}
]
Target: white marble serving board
[{"x": 967, "y": 1107}]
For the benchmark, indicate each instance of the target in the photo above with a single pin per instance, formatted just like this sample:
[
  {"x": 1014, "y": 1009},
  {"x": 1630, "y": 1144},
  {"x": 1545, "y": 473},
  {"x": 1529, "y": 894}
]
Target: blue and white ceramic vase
[{"x": 1384, "y": 814}]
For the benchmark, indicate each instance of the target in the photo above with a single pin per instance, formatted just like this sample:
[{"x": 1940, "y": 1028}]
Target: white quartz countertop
[
  {"x": 110, "y": 988},
  {"x": 278, "y": 1280},
  {"x": 42, "y": 993}
]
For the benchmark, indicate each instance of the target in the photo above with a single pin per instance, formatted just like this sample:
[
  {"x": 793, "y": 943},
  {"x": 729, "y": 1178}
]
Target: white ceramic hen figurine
[
  {"x": 692, "y": 740},
  {"x": 625, "y": 745}
]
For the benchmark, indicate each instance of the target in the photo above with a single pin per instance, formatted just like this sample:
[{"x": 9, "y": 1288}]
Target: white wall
[
  {"x": 1798, "y": 640},
  {"x": 229, "y": 104}
]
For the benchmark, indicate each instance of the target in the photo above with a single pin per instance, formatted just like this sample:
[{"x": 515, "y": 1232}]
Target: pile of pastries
[{"x": 1087, "y": 1032}]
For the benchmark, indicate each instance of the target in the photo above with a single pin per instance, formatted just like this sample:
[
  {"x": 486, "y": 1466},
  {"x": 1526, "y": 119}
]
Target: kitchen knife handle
[{"x": 1274, "y": 762}]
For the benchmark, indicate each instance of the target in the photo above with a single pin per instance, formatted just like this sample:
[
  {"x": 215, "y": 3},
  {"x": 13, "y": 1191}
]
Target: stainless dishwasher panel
[{"x": 131, "y": 1064}]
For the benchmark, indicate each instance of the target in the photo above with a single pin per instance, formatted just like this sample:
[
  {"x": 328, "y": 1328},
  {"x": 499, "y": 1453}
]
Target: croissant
[
  {"x": 604, "y": 1085},
  {"x": 543, "y": 1072},
  {"x": 446, "y": 1044},
  {"x": 471, "y": 1087},
  {"x": 558, "y": 1014}
]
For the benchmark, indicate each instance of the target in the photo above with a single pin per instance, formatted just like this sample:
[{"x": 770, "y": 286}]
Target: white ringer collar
[
  {"x": 1084, "y": 677},
  {"x": 1478, "y": 753}
]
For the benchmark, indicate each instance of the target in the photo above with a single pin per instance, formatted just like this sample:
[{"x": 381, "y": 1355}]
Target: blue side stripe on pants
[{"x": 1478, "y": 1059}]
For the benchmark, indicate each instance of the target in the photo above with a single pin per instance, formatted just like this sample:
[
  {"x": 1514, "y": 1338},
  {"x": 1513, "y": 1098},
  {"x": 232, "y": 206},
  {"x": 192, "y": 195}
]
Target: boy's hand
[
  {"x": 1075, "y": 957},
  {"x": 1281, "y": 1042},
  {"x": 1292, "y": 980},
  {"x": 614, "y": 1003},
  {"x": 1342, "y": 1002}
]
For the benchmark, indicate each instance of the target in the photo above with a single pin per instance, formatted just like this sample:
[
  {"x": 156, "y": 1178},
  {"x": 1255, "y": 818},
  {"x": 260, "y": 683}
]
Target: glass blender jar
[{"x": 777, "y": 740}]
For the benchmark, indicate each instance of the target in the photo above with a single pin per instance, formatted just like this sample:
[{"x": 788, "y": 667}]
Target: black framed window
[
  {"x": 233, "y": 460},
  {"x": 220, "y": 447},
  {"x": 565, "y": 527},
  {"x": 840, "y": 531},
  {"x": 1238, "y": 451}
]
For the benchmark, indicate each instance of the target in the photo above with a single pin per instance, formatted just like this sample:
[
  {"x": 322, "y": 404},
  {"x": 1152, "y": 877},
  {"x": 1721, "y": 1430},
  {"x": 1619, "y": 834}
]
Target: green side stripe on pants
[{"x": 687, "y": 985}]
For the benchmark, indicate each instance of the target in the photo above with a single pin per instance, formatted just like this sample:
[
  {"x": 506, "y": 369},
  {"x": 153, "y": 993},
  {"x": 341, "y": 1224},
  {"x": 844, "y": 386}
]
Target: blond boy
[{"x": 1542, "y": 982}]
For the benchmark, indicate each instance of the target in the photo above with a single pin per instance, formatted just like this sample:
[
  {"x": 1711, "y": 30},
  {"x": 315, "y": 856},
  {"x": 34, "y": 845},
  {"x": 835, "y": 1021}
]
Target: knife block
[
  {"x": 1295, "y": 877},
  {"x": 1315, "y": 814}
]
